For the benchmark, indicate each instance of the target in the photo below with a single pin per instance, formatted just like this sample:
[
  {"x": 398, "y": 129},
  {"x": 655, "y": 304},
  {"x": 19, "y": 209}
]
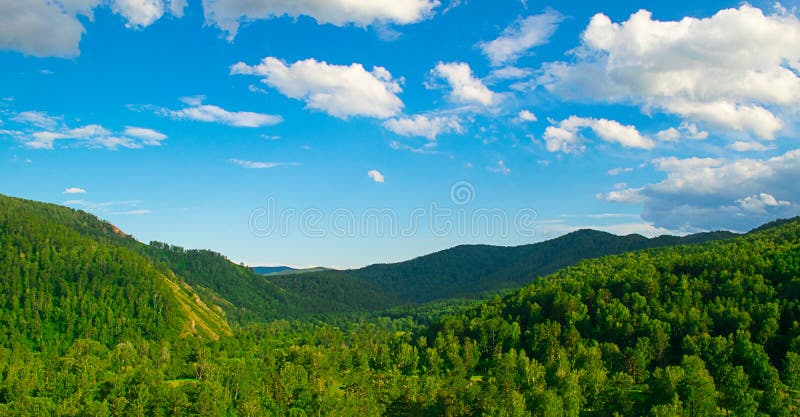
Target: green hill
[
  {"x": 471, "y": 270},
  {"x": 67, "y": 275},
  {"x": 697, "y": 330},
  {"x": 96, "y": 324}
]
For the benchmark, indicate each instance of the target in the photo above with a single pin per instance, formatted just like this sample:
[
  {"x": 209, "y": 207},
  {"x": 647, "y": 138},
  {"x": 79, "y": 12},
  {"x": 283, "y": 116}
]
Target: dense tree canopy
[{"x": 95, "y": 325}]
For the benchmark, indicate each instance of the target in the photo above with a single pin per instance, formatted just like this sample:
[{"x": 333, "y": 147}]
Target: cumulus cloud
[
  {"x": 45, "y": 28},
  {"x": 339, "y": 90},
  {"x": 139, "y": 13},
  {"x": 424, "y": 126},
  {"x": 74, "y": 190},
  {"x": 376, "y": 176},
  {"x": 686, "y": 130},
  {"x": 200, "y": 112},
  {"x": 228, "y": 15},
  {"x": 466, "y": 89},
  {"x": 736, "y": 70},
  {"x": 521, "y": 36},
  {"x": 39, "y": 130},
  {"x": 758, "y": 203},
  {"x": 566, "y": 135},
  {"x": 526, "y": 116},
  {"x": 713, "y": 193}
]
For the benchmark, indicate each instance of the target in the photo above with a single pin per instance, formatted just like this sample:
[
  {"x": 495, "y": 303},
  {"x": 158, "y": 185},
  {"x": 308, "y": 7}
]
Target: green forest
[{"x": 94, "y": 323}]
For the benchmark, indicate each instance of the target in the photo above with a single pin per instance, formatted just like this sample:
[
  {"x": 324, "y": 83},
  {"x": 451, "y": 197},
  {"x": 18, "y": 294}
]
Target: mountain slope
[
  {"x": 469, "y": 270},
  {"x": 696, "y": 330},
  {"x": 60, "y": 283}
]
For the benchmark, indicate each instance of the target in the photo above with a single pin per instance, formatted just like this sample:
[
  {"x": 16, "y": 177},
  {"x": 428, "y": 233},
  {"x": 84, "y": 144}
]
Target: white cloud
[
  {"x": 507, "y": 73},
  {"x": 229, "y": 14},
  {"x": 424, "y": 126},
  {"x": 690, "y": 131},
  {"x": 42, "y": 131},
  {"x": 558, "y": 139},
  {"x": 148, "y": 136},
  {"x": 758, "y": 203},
  {"x": 712, "y": 193},
  {"x": 36, "y": 118},
  {"x": 740, "y": 146},
  {"x": 565, "y": 137},
  {"x": 629, "y": 195},
  {"x": 376, "y": 176},
  {"x": 261, "y": 165},
  {"x": 42, "y": 140},
  {"x": 466, "y": 89},
  {"x": 45, "y": 28},
  {"x": 339, "y": 90},
  {"x": 139, "y": 13},
  {"x": 669, "y": 135},
  {"x": 39, "y": 28},
  {"x": 426, "y": 149},
  {"x": 176, "y": 7},
  {"x": 685, "y": 130},
  {"x": 737, "y": 70},
  {"x": 617, "y": 171},
  {"x": 526, "y": 116},
  {"x": 521, "y": 36},
  {"x": 200, "y": 112},
  {"x": 256, "y": 89},
  {"x": 87, "y": 131},
  {"x": 74, "y": 190}
]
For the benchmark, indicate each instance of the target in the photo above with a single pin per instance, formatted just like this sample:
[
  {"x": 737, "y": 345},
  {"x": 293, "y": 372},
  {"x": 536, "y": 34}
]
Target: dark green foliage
[
  {"x": 473, "y": 270},
  {"x": 709, "y": 329},
  {"x": 244, "y": 295},
  {"x": 58, "y": 284}
]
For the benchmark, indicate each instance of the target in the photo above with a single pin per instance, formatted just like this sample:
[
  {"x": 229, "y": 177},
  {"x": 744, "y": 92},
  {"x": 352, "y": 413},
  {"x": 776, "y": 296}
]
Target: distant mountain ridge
[
  {"x": 469, "y": 270},
  {"x": 266, "y": 270},
  {"x": 209, "y": 284}
]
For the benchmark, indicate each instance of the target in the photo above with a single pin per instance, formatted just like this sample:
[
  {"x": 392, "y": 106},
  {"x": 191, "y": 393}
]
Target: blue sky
[{"x": 343, "y": 133}]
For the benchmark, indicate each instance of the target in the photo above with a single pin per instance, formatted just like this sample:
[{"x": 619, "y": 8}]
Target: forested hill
[
  {"x": 697, "y": 330},
  {"x": 93, "y": 323},
  {"x": 66, "y": 276},
  {"x": 469, "y": 270},
  {"x": 205, "y": 282}
]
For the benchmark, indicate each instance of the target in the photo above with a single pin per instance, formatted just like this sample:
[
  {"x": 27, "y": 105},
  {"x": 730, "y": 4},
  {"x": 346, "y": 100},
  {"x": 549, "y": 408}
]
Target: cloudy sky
[{"x": 345, "y": 132}]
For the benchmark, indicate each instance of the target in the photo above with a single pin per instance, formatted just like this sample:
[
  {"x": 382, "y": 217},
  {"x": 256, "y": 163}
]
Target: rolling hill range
[
  {"x": 95, "y": 323},
  {"x": 470, "y": 270},
  {"x": 241, "y": 295}
]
